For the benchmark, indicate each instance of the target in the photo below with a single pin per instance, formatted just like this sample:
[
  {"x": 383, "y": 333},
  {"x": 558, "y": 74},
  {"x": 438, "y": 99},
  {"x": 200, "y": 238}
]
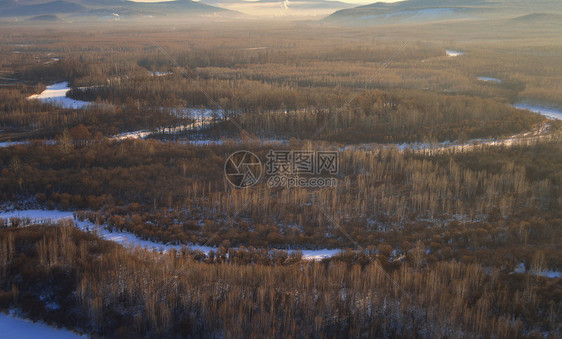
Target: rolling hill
[
  {"x": 89, "y": 8},
  {"x": 421, "y": 11}
]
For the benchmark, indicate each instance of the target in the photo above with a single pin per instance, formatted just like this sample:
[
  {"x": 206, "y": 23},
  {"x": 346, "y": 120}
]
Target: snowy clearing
[
  {"x": 56, "y": 95},
  {"x": 13, "y": 327}
]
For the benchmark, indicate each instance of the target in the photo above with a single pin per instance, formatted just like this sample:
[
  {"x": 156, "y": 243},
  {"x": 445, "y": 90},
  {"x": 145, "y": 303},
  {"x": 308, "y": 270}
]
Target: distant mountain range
[
  {"x": 419, "y": 11},
  {"x": 380, "y": 13},
  {"x": 104, "y": 8},
  {"x": 291, "y": 6}
]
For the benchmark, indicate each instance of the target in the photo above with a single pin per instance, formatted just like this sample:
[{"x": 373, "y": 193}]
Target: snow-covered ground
[
  {"x": 160, "y": 74},
  {"x": 445, "y": 146},
  {"x": 133, "y": 135},
  {"x": 520, "y": 269},
  {"x": 318, "y": 254},
  {"x": 123, "y": 238},
  {"x": 208, "y": 142},
  {"x": 12, "y": 143},
  {"x": 36, "y": 214},
  {"x": 12, "y": 327},
  {"x": 196, "y": 113},
  {"x": 253, "y": 48},
  {"x": 203, "y": 117},
  {"x": 56, "y": 95},
  {"x": 550, "y": 274},
  {"x": 488, "y": 79},
  {"x": 548, "y": 112},
  {"x": 453, "y": 53},
  {"x": 129, "y": 239}
]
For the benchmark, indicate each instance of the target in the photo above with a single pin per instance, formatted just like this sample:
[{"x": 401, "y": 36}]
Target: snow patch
[
  {"x": 520, "y": 269},
  {"x": 37, "y": 214},
  {"x": 160, "y": 74},
  {"x": 253, "y": 48},
  {"x": 203, "y": 118},
  {"x": 56, "y": 94},
  {"x": 12, "y": 143},
  {"x": 551, "y": 274},
  {"x": 14, "y": 327},
  {"x": 488, "y": 79},
  {"x": 318, "y": 254},
  {"x": 453, "y": 53},
  {"x": 548, "y": 112}
]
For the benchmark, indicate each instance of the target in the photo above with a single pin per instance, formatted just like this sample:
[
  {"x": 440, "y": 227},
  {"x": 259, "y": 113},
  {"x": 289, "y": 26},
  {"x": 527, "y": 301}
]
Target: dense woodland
[
  {"x": 432, "y": 240},
  {"x": 104, "y": 289},
  {"x": 291, "y": 88},
  {"x": 494, "y": 197}
]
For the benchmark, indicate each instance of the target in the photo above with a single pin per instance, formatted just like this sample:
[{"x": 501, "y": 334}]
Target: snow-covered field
[
  {"x": 12, "y": 327},
  {"x": 548, "y": 112},
  {"x": 56, "y": 95}
]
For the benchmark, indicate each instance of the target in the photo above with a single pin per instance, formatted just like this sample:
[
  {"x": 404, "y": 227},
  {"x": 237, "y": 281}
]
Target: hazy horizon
[{"x": 358, "y": 2}]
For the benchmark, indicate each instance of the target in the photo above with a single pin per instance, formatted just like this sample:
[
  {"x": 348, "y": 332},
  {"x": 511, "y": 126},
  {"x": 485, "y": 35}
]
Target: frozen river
[
  {"x": 56, "y": 94},
  {"x": 548, "y": 112}
]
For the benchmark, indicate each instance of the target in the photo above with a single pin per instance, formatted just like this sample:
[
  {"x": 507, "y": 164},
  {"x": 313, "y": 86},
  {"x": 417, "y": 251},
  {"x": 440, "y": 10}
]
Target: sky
[{"x": 350, "y": 1}]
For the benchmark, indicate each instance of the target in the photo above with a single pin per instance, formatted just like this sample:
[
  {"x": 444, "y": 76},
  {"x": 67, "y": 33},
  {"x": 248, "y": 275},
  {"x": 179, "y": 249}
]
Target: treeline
[
  {"x": 395, "y": 117},
  {"x": 66, "y": 277}
]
